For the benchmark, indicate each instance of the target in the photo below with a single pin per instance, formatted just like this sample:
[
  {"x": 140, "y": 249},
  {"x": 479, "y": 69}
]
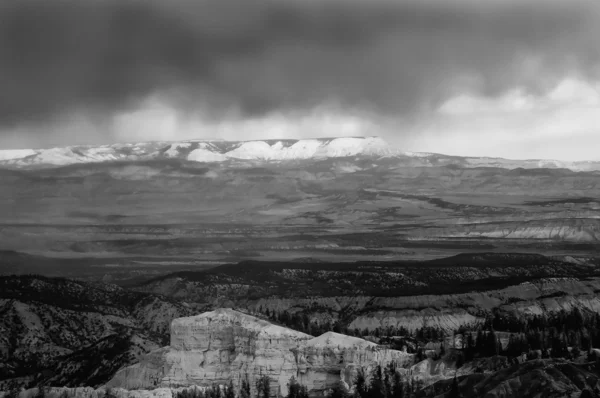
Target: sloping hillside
[{"x": 75, "y": 332}]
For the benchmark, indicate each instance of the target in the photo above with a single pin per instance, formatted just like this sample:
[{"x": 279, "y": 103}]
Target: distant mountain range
[{"x": 263, "y": 151}]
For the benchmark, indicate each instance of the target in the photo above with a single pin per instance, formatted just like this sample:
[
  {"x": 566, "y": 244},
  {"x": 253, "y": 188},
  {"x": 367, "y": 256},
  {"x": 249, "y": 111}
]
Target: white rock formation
[{"x": 223, "y": 345}]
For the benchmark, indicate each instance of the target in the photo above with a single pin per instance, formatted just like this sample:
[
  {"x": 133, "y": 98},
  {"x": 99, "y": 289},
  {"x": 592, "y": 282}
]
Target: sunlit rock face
[
  {"x": 324, "y": 360},
  {"x": 223, "y": 345}
]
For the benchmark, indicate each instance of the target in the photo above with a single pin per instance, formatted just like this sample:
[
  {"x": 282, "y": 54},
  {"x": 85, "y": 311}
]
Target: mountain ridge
[{"x": 269, "y": 150}]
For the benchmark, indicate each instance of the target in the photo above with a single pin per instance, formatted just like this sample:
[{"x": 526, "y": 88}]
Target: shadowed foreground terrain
[{"x": 543, "y": 314}]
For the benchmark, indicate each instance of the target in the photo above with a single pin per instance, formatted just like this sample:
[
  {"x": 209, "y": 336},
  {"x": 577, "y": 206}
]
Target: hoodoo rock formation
[{"x": 223, "y": 345}]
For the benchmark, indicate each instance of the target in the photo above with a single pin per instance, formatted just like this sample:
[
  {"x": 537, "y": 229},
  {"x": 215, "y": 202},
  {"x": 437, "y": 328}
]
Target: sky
[{"x": 509, "y": 78}]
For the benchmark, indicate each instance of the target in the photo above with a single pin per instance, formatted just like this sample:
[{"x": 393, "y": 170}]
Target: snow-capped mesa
[
  {"x": 219, "y": 151},
  {"x": 307, "y": 149},
  {"x": 200, "y": 151}
]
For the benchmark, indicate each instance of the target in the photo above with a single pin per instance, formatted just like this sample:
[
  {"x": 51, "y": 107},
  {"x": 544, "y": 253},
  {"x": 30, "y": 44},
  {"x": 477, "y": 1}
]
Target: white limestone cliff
[{"x": 223, "y": 345}]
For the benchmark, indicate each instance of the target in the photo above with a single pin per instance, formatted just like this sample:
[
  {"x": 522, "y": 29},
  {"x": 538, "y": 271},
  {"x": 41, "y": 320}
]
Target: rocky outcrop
[{"x": 223, "y": 345}]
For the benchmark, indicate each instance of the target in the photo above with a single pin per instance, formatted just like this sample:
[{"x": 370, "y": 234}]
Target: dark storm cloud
[{"x": 62, "y": 57}]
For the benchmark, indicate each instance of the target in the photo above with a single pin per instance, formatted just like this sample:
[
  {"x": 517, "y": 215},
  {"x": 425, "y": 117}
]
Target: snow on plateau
[
  {"x": 9, "y": 154},
  {"x": 216, "y": 151}
]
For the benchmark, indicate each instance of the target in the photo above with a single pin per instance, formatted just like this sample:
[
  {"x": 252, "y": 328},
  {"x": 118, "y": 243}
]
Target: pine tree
[
  {"x": 263, "y": 386},
  {"x": 387, "y": 383},
  {"x": 296, "y": 390},
  {"x": 41, "y": 393},
  {"x": 13, "y": 393},
  {"x": 492, "y": 343},
  {"x": 213, "y": 392},
  {"x": 454, "y": 391},
  {"x": 397, "y": 386},
  {"x": 229, "y": 391},
  {"x": 559, "y": 347},
  {"x": 361, "y": 385},
  {"x": 470, "y": 350},
  {"x": 587, "y": 394},
  {"x": 339, "y": 391},
  {"x": 419, "y": 355},
  {"x": 293, "y": 387},
  {"x": 303, "y": 392},
  {"x": 376, "y": 387},
  {"x": 480, "y": 344},
  {"x": 245, "y": 388}
]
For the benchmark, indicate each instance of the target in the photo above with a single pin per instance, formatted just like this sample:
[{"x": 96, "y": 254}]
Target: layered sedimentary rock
[
  {"x": 324, "y": 360},
  {"x": 223, "y": 345}
]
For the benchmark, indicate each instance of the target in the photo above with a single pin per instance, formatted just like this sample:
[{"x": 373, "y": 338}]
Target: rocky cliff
[{"x": 224, "y": 345}]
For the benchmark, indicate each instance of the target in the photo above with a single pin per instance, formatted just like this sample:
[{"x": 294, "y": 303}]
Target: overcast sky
[{"x": 509, "y": 78}]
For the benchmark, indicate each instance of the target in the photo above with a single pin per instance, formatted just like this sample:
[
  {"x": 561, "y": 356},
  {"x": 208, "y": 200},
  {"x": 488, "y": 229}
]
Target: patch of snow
[
  {"x": 205, "y": 155},
  {"x": 173, "y": 150},
  {"x": 56, "y": 156},
  {"x": 70, "y": 155},
  {"x": 348, "y": 168},
  {"x": 418, "y": 154},
  {"x": 101, "y": 154},
  {"x": 342, "y": 147},
  {"x": 252, "y": 150},
  {"x": 306, "y": 149},
  {"x": 10, "y": 154},
  {"x": 303, "y": 149}
]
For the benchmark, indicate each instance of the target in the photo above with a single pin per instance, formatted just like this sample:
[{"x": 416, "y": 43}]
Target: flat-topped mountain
[
  {"x": 201, "y": 151},
  {"x": 264, "y": 151}
]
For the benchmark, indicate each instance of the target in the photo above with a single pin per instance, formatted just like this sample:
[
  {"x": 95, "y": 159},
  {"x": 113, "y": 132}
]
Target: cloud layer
[{"x": 225, "y": 60}]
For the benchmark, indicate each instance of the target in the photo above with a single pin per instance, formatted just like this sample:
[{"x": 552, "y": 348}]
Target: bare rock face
[
  {"x": 223, "y": 345},
  {"x": 324, "y": 360}
]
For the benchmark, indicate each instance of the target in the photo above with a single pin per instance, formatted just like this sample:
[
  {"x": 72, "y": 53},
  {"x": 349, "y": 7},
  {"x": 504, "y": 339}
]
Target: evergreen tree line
[
  {"x": 565, "y": 321},
  {"x": 213, "y": 391},
  {"x": 550, "y": 343},
  {"x": 383, "y": 383},
  {"x": 263, "y": 390},
  {"x": 550, "y": 335},
  {"x": 301, "y": 321}
]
